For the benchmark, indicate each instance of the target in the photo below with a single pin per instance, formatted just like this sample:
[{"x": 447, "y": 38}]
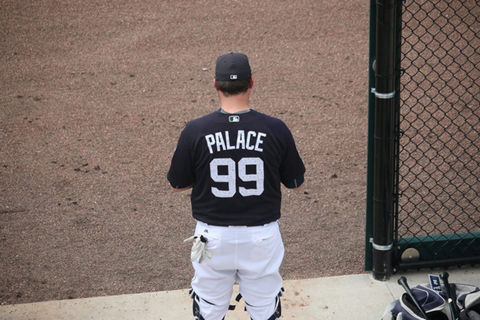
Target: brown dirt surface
[{"x": 93, "y": 97}]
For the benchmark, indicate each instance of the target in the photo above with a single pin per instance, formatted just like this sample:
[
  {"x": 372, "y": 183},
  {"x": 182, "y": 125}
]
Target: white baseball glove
[{"x": 199, "y": 248}]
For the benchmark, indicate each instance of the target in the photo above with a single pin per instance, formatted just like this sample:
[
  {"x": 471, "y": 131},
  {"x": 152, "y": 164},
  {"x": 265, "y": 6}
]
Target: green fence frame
[{"x": 386, "y": 213}]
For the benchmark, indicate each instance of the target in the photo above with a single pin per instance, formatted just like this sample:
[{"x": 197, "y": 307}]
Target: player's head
[{"x": 233, "y": 74}]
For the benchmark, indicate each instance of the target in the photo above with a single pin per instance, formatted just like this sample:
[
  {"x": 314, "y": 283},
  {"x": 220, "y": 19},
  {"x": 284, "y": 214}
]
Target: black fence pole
[
  {"x": 371, "y": 131},
  {"x": 383, "y": 184}
]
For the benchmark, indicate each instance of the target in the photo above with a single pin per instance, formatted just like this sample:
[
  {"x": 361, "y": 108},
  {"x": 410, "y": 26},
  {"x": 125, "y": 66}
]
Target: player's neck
[
  {"x": 236, "y": 103},
  {"x": 228, "y": 108}
]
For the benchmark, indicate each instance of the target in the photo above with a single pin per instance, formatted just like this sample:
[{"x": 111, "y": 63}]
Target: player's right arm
[
  {"x": 292, "y": 170},
  {"x": 295, "y": 184}
]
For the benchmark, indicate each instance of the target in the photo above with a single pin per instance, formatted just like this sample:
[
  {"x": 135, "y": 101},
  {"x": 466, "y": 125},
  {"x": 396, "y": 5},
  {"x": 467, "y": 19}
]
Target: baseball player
[{"x": 235, "y": 160}]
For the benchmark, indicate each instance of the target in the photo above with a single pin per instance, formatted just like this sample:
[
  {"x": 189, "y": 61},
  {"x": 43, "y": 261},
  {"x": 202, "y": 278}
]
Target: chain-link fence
[{"x": 438, "y": 154}]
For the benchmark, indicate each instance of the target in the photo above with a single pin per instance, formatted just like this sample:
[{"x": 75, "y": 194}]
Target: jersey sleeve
[
  {"x": 181, "y": 173},
  {"x": 292, "y": 170}
]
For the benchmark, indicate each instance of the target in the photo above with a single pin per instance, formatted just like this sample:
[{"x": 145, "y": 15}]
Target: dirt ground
[{"x": 93, "y": 97}]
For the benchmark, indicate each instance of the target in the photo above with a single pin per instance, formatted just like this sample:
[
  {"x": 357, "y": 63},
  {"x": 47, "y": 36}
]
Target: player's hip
[{"x": 240, "y": 234}]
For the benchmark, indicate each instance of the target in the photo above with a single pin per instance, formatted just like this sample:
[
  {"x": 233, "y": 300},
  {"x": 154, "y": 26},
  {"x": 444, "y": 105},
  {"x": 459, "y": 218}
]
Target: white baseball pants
[{"x": 250, "y": 256}]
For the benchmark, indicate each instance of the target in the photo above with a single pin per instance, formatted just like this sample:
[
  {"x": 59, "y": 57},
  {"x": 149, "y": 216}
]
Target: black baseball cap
[{"x": 233, "y": 66}]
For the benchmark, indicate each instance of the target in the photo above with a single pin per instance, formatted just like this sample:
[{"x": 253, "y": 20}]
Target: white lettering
[
  {"x": 250, "y": 134},
  {"x": 259, "y": 141},
  {"x": 210, "y": 142},
  {"x": 240, "y": 139},
  {"x": 222, "y": 141}
]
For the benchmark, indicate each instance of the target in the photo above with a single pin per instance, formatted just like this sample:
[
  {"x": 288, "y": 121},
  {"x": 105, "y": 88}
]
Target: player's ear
[
  {"x": 251, "y": 82},
  {"x": 215, "y": 83}
]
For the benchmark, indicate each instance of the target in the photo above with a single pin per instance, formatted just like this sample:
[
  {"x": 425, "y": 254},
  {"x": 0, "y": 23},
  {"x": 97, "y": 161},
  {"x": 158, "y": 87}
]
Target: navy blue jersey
[{"x": 236, "y": 163}]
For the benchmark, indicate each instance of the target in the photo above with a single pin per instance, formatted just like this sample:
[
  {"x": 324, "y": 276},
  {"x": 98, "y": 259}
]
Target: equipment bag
[{"x": 435, "y": 303}]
